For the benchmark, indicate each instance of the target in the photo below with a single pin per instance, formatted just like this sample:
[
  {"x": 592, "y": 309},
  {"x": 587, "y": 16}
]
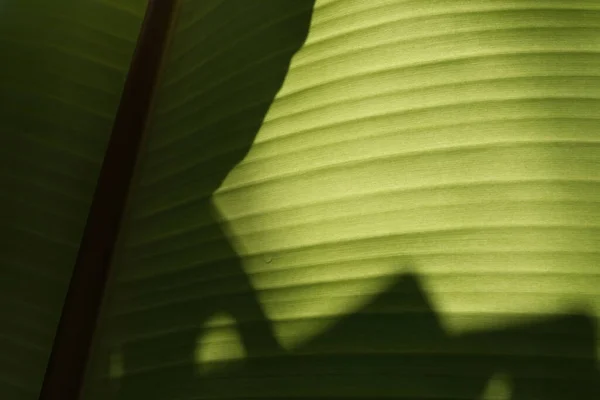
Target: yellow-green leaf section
[{"x": 418, "y": 215}]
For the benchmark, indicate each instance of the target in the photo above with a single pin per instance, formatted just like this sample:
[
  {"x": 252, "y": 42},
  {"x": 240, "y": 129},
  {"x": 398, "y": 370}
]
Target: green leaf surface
[
  {"x": 417, "y": 216},
  {"x": 64, "y": 63}
]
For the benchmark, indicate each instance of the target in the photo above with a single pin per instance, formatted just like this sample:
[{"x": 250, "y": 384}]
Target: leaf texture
[
  {"x": 64, "y": 65},
  {"x": 417, "y": 215}
]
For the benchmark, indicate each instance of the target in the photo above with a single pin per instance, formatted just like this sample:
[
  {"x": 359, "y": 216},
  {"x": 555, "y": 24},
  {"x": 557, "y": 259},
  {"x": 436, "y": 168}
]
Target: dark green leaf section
[
  {"x": 227, "y": 62},
  {"x": 64, "y": 63}
]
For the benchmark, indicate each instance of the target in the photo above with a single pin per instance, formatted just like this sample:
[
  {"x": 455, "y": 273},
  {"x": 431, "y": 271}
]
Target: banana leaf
[{"x": 345, "y": 199}]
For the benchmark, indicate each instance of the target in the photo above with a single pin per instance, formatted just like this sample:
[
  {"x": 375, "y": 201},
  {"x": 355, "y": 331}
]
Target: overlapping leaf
[{"x": 63, "y": 67}]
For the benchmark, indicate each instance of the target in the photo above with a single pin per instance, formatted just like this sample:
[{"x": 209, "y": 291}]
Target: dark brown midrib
[{"x": 66, "y": 366}]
